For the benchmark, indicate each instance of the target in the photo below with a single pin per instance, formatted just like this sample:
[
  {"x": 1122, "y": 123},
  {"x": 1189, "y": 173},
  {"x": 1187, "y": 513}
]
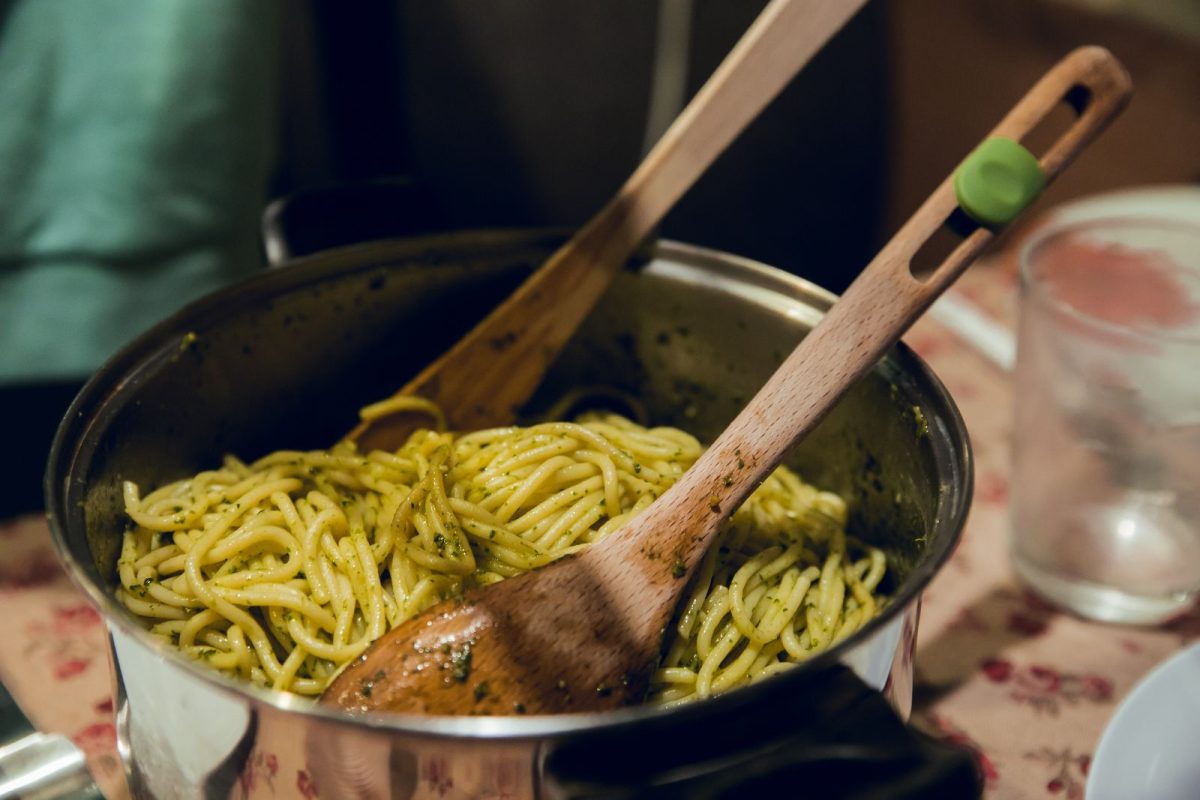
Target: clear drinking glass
[{"x": 1105, "y": 495}]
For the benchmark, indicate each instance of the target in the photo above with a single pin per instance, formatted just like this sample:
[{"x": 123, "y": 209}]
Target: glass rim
[{"x": 1036, "y": 289}]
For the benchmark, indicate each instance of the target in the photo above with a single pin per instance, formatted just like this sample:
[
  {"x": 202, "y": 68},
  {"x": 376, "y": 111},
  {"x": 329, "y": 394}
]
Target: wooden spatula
[
  {"x": 585, "y": 632},
  {"x": 494, "y": 369}
]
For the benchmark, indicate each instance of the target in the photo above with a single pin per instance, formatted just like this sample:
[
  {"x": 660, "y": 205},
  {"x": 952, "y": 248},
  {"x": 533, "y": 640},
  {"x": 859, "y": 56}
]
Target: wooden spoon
[
  {"x": 584, "y": 633},
  {"x": 490, "y": 373}
]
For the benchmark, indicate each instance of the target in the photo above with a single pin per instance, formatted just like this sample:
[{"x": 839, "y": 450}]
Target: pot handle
[
  {"x": 831, "y": 732},
  {"x": 316, "y": 220},
  {"x": 39, "y": 765}
]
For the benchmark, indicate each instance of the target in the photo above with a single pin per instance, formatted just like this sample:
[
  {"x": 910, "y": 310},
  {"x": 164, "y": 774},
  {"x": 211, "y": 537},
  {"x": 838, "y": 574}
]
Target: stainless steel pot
[{"x": 286, "y": 358}]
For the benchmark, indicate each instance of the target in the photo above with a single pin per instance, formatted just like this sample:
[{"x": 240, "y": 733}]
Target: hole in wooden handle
[
  {"x": 1057, "y": 121},
  {"x": 1078, "y": 97},
  {"x": 940, "y": 244}
]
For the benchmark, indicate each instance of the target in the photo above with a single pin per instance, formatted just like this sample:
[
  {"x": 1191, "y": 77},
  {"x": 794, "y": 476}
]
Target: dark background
[{"x": 533, "y": 113}]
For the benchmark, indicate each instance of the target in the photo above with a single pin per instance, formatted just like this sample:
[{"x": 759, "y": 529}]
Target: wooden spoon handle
[
  {"x": 485, "y": 377},
  {"x": 873, "y": 313}
]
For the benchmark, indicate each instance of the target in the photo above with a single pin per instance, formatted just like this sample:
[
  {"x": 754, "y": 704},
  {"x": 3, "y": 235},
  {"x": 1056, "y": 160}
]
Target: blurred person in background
[{"x": 135, "y": 149}]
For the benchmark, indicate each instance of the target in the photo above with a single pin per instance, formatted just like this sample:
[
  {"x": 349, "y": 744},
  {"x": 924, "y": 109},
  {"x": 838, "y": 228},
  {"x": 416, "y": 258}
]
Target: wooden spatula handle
[
  {"x": 876, "y": 309},
  {"x": 487, "y": 375},
  {"x": 1093, "y": 83}
]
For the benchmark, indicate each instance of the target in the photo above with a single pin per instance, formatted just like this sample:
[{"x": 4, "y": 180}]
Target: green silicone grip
[{"x": 997, "y": 181}]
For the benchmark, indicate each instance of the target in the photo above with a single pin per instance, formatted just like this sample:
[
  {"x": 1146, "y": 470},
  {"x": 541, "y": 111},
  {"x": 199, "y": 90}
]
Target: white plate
[{"x": 1151, "y": 747}]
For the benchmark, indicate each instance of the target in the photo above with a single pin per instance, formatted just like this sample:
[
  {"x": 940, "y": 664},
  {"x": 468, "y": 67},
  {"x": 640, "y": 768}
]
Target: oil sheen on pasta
[{"x": 284, "y": 570}]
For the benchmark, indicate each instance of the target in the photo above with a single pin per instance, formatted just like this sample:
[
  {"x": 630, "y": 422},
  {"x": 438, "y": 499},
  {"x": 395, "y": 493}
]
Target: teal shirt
[{"x": 135, "y": 146}]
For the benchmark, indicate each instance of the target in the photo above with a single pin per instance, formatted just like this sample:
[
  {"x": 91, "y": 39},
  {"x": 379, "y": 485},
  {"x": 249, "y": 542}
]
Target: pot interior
[{"x": 285, "y": 359}]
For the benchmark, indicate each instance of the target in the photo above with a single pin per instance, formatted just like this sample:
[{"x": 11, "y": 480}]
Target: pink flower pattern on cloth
[{"x": 1027, "y": 688}]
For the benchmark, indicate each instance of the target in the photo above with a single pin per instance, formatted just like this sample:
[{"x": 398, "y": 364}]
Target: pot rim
[{"x": 731, "y": 269}]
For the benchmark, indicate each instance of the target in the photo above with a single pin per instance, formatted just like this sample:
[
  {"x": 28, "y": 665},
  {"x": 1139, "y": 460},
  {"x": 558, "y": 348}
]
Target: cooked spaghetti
[{"x": 284, "y": 570}]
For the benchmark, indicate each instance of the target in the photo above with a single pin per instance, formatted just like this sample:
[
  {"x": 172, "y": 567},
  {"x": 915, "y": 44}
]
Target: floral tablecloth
[{"x": 1029, "y": 688}]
